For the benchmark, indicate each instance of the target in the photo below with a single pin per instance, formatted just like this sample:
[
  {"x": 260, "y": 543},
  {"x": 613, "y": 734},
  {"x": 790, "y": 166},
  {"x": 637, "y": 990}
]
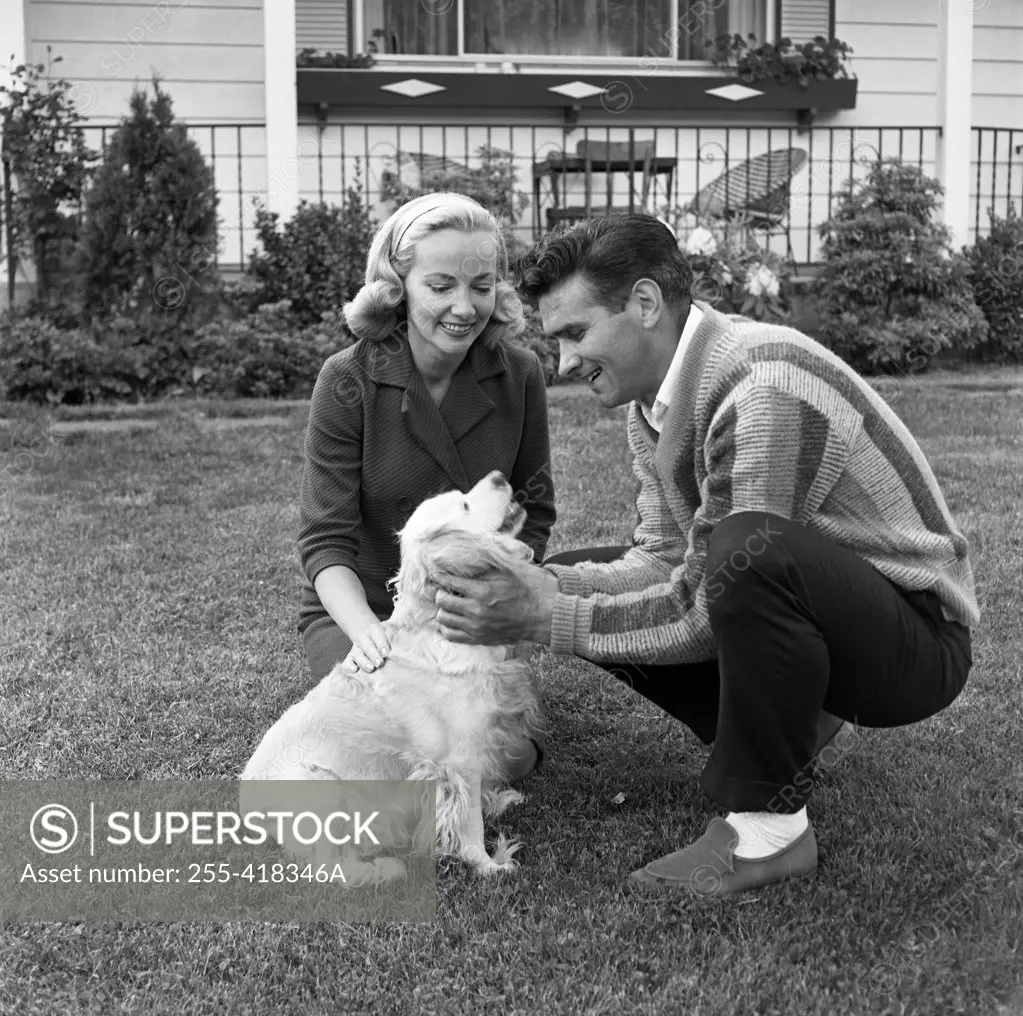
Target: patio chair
[
  {"x": 757, "y": 191},
  {"x": 635, "y": 157}
]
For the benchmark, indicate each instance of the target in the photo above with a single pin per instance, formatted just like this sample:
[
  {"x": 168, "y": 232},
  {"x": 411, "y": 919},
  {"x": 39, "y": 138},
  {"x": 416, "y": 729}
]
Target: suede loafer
[{"x": 709, "y": 866}]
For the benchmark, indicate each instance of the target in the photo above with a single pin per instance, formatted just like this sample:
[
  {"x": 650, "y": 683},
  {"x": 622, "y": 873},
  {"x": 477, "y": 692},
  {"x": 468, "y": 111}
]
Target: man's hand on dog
[
  {"x": 368, "y": 652},
  {"x": 504, "y": 606}
]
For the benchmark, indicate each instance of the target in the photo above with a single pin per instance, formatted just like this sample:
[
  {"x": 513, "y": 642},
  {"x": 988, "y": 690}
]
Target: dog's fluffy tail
[{"x": 453, "y": 801}]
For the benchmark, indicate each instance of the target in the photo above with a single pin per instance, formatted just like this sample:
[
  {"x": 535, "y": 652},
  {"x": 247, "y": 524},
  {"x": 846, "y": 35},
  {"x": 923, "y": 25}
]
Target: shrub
[
  {"x": 267, "y": 355},
  {"x": 996, "y": 272},
  {"x": 150, "y": 217},
  {"x": 891, "y": 294},
  {"x": 43, "y": 363},
  {"x": 318, "y": 261},
  {"x": 492, "y": 183}
]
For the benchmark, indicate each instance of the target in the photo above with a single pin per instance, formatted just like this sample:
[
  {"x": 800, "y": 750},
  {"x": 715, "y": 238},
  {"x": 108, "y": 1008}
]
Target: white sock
[{"x": 762, "y": 832}]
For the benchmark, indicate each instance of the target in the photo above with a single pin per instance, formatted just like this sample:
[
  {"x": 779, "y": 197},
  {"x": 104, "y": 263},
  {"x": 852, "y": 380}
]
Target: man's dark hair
[{"x": 612, "y": 254}]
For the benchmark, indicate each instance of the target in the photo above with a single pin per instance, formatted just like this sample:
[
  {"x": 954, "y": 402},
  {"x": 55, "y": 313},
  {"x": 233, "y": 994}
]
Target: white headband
[{"x": 432, "y": 207}]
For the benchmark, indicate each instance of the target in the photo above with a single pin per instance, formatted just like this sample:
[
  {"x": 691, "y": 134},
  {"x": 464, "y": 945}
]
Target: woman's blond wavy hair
[{"x": 379, "y": 307}]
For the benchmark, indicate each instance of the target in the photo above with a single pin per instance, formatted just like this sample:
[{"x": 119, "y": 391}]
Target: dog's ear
[{"x": 471, "y": 554}]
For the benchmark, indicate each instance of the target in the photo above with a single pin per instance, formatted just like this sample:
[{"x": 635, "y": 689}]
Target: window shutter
[
  {"x": 322, "y": 24},
  {"x": 801, "y": 20}
]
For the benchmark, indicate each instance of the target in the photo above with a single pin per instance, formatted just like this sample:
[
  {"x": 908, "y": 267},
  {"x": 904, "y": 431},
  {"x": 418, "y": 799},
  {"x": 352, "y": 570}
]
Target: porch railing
[
  {"x": 669, "y": 171},
  {"x": 998, "y": 183},
  {"x": 676, "y": 179}
]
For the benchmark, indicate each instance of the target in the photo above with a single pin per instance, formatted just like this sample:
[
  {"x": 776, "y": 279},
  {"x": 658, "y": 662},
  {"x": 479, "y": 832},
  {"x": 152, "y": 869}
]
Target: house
[{"x": 570, "y": 87}]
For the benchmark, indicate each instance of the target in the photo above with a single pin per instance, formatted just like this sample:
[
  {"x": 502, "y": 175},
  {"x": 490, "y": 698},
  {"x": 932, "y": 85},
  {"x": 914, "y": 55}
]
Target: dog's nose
[{"x": 497, "y": 479}]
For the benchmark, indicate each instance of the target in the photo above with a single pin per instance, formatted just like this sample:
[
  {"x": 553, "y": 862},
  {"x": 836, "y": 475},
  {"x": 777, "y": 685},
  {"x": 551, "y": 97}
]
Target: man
[{"x": 794, "y": 552}]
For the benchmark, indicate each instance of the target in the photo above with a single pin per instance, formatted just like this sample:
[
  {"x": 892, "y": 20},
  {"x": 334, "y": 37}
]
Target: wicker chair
[{"x": 758, "y": 191}]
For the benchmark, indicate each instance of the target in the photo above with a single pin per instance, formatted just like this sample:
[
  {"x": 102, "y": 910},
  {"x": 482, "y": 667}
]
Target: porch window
[{"x": 656, "y": 29}]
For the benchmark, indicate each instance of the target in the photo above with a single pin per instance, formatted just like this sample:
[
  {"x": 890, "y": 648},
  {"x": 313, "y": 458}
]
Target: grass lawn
[{"x": 148, "y": 583}]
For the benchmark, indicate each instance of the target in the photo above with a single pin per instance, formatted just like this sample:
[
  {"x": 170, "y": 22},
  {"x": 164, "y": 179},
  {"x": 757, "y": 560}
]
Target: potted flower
[
  {"x": 816, "y": 70},
  {"x": 733, "y": 272}
]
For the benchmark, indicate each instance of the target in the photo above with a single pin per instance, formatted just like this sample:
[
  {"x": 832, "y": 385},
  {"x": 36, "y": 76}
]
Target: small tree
[
  {"x": 150, "y": 231},
  {"x": 318, "y": 261},
  {"x": 996, "y": 270},
  {"x": 44, "y": 149},
  {"x": 891, "y": 293}
]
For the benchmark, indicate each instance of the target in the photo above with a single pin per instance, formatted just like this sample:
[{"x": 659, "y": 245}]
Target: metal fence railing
[
  {"x": 786, "y": 180},
  {"x": 998, "y": 175},
  {"x": 237, "y": 155}
]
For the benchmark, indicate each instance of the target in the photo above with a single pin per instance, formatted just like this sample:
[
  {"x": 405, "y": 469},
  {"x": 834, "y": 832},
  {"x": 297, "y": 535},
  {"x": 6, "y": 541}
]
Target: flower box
[{"x": 674, "y": 94}]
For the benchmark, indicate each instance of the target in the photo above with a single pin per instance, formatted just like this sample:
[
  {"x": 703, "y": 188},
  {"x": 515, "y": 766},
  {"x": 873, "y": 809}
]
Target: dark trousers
[
  {"x": 800, "y": 623},
  {"x": 325, "y": 645}
]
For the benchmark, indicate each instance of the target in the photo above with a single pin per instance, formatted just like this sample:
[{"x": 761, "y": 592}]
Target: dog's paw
[
  {"x": 492, "y": 866},
  {"x": 504, "y": 850},
  {"x": 497, "y": 802}
]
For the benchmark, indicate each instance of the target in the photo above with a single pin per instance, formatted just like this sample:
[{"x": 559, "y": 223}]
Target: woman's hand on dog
[{"x": 368, "y": 651}]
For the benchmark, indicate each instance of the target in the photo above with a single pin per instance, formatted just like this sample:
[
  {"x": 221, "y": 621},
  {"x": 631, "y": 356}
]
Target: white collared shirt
[{"x": 655, "y": 416}]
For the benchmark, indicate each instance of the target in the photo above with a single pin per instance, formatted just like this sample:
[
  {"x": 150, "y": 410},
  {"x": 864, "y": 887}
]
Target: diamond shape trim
[
  {"x": 734, "y": 93},
  {"x": 413, "y": 88},
  {"x": 576, "y": 89}
]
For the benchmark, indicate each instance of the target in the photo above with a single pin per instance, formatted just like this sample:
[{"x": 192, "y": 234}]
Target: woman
[{"x": 431, "y": 397}]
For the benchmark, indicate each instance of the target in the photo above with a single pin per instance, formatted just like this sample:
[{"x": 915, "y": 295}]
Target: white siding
[
  {"x": 998, "y": 64},
  {"x": 207, "y": 53},
  {"x": 322, "y": 24},
  {"x": 209, "y": 57},
  {"x": 895, "y": 44},
  {"x": 996, "y": 167}
]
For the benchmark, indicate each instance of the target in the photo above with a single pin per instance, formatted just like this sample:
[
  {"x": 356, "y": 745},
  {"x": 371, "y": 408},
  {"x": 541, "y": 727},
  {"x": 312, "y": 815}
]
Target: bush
[
  {"x": 266, "y": 355},
  {"x": 318, "y": 262},
  {"x": 150, "y": 229},
  {"x": 44, "y": 146},
  {"x": 43, "y": 363},
  {"x": 891, "y": 294},
  {"x": 996, "y": 272}
]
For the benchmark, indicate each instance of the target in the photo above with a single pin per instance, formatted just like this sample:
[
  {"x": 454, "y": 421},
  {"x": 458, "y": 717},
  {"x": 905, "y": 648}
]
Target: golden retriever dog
[{"x": 436, "y": 710}]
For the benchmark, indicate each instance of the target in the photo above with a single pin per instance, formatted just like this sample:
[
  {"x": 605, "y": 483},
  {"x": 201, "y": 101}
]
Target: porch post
[
  {"x": 280, "y": 92},
  {"x": 12, "y": 40},
  {"x": 955, "y": 114}
]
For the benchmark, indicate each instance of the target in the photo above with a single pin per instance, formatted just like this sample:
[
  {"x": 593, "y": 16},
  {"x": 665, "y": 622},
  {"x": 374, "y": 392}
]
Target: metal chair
[
  {"x": 601, "y": 156},
  {"x": 629, "y": 157}
]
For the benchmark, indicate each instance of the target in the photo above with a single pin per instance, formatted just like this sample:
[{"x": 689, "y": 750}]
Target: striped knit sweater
[{"x": 764, "y": 419}]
